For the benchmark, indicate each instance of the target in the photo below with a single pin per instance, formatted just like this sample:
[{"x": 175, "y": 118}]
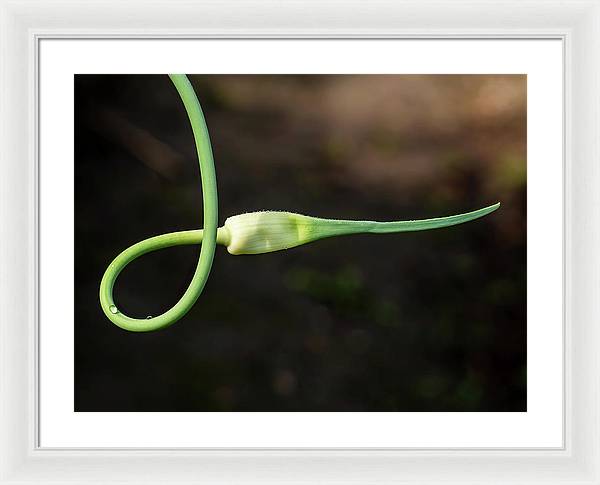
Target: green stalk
[{"x": 208, "y": 237}]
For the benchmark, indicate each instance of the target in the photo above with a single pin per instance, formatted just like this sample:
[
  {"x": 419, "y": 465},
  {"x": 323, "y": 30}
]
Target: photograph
[{"x": 300, "y": 242}]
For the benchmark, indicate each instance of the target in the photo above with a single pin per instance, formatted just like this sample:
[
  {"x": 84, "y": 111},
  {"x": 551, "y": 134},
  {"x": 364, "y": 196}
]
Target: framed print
[{"x": 261, "y": 242}]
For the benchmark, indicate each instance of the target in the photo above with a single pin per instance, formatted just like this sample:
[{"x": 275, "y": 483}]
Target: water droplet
[
  {"x": 113, "y": 309},
  {"x": 149, "y": 317}
]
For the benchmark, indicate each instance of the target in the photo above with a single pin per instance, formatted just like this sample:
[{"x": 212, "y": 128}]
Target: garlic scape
[
  {"x": 268, "y": 231},
  {"x": 250, "y": 233}
]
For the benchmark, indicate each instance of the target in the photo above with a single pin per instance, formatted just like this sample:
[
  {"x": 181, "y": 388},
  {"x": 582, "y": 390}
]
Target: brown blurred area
[{"x": 429, "y": 321}]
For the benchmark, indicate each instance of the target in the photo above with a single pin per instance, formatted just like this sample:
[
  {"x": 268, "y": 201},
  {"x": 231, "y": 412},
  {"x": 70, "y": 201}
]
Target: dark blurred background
[{"x": 425, "y": 321}]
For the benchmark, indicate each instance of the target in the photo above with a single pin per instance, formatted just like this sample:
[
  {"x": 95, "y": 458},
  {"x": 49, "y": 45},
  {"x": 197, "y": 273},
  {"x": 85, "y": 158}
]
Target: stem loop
[{"x": 208, "y": 236}]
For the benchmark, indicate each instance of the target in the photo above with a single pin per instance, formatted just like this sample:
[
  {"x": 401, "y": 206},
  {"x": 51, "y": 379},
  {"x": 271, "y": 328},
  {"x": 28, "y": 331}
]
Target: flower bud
[{"x": 267, "y": 231}]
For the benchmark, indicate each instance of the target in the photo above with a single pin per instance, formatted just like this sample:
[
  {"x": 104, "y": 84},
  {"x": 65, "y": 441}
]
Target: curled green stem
[{"x": 208, "y": 237}]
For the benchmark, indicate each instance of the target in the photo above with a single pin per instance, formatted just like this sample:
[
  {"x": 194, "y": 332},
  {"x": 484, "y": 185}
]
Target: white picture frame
[{"x": 24, "y": 23}]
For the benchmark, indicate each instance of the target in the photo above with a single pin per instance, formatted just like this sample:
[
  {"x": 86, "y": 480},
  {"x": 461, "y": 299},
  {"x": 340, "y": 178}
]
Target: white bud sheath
[{"x": 267, "y": 231}]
